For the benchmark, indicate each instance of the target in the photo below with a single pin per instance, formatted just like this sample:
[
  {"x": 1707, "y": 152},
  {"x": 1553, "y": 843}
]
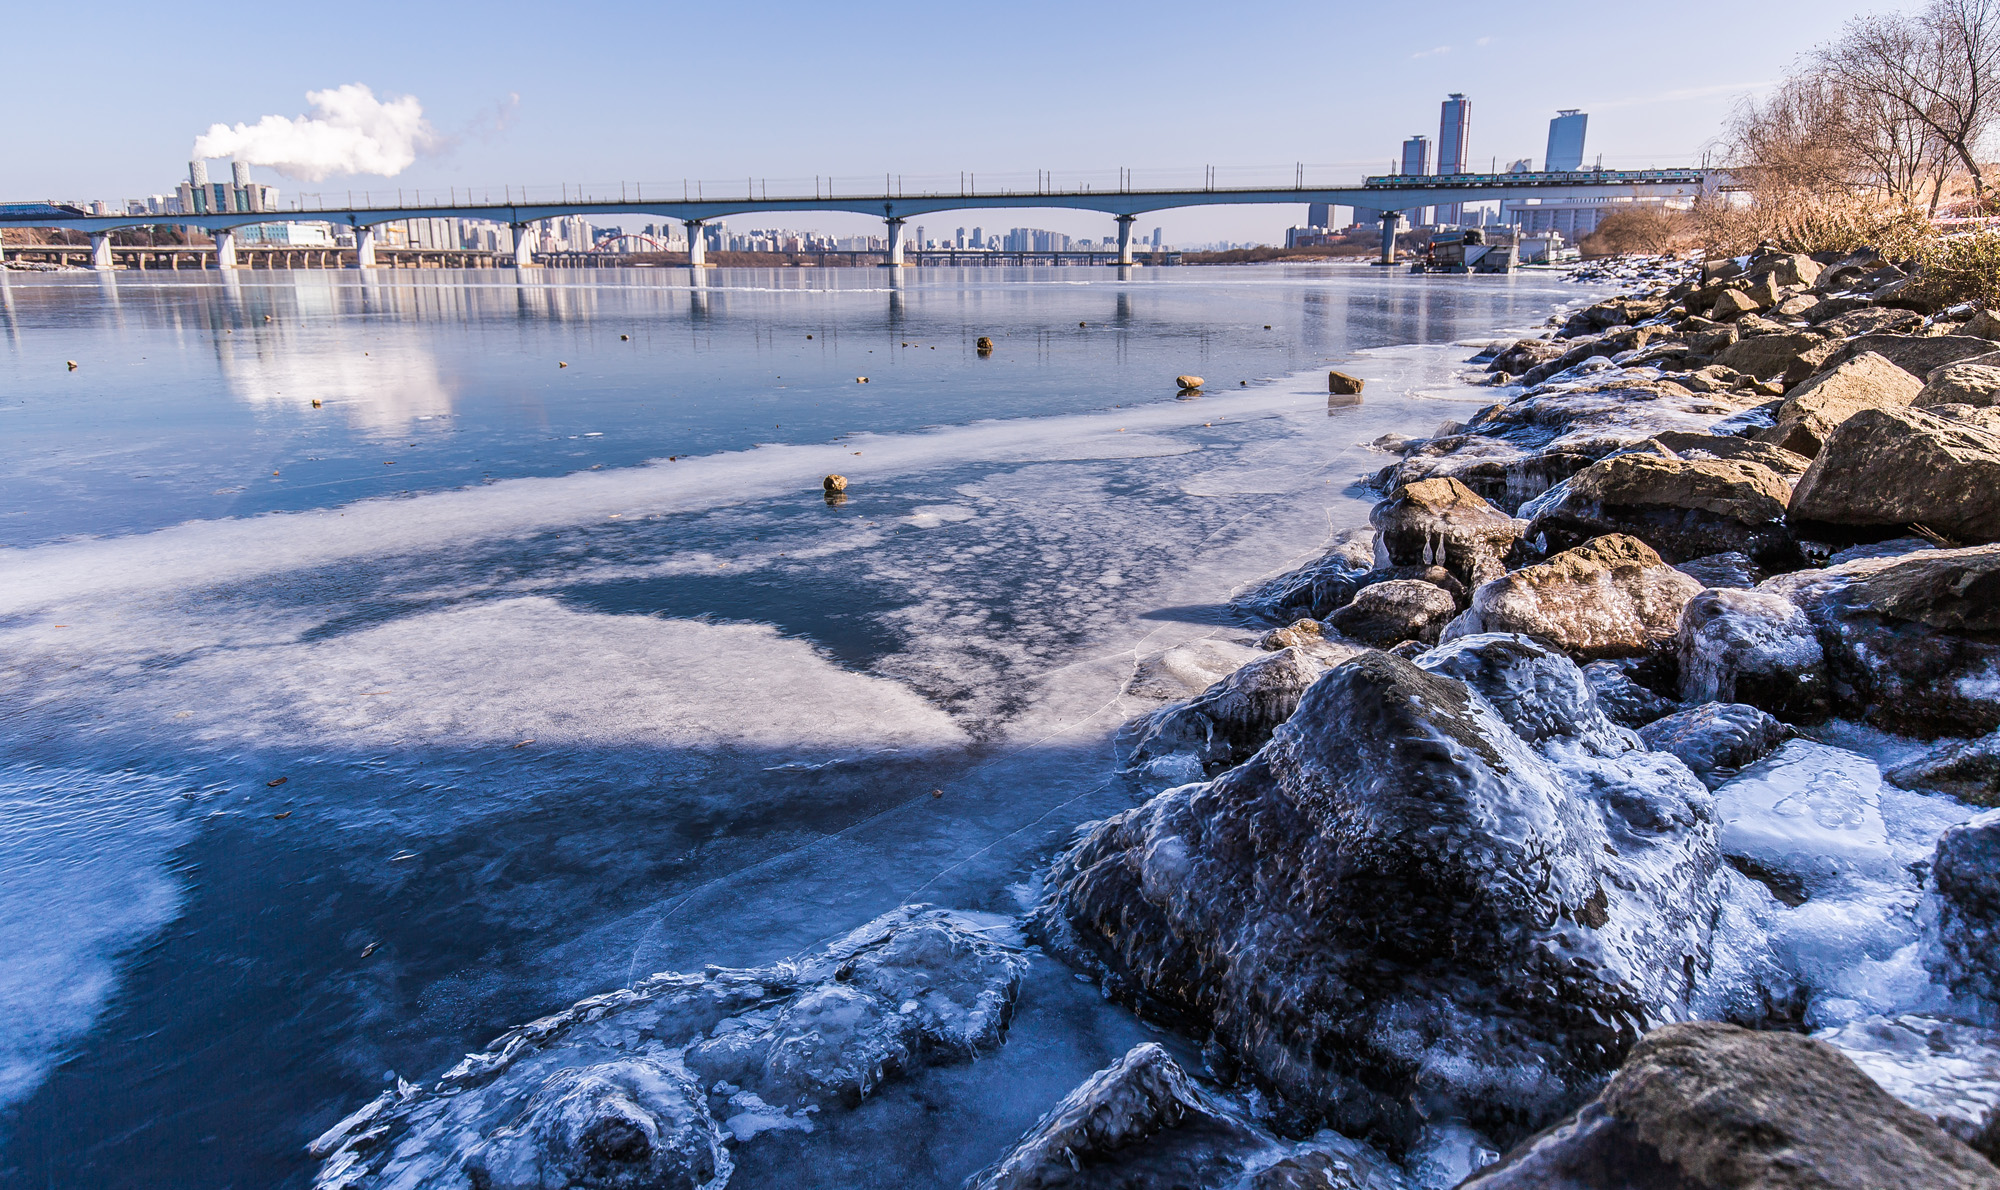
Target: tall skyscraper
[
  {"x": 1319, "y": 214},
  {"x": 1565, "y": 141},
  {"x": 1454, "y": 129},
  {"x": 1416, "y": 163}
]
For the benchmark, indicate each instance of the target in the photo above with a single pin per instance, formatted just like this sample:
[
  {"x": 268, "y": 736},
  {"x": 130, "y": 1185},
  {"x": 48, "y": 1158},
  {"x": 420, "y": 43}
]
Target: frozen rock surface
[
  {"x": 625, "y": 1089},
  {"x": 1946, "y": 1070},
  {"x": 1727, "y": 569},
  {"x": 1441, "y": 522},
  {"x": 1384, "y": 614},
  {"x": 1912, "y": 643},
  {"x": 1967, "y": 873},
  {"x": 1144, "y": 1124},
  {"x": 1969, "y": 770},
  {"x": 1706, "y": 1106},
  {"x": 1715, "y": 739},
  {"x": 1611, "y": 597},
  {"x": 1317, "y": 588},
  {"x": 1447, "y": 890},
  {"x": 1624, "y": 701},
  {"x": 1187, "y": 741},
  {"x": 1753, "y": 647},
  {"x": 1188, "y": 669}
]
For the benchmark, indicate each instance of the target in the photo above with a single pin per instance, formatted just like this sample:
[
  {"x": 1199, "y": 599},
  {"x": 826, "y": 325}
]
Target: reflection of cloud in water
[{"x": 379, "y": 393}]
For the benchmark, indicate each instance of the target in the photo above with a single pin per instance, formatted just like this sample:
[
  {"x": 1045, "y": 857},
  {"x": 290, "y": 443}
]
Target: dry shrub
[
  {"x": 1651, "y": 230},
  {"x": 1802, "y": 220},
  {"x": 1962, "y": 268}
]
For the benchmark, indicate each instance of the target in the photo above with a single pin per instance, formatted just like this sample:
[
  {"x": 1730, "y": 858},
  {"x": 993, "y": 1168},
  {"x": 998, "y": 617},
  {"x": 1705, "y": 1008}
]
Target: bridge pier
[
  {"x": 895, "y": 242},
  {"x": 100, "y": 250},
  {"x": 364, "y": 247},
  {"x": 524, "y": 245},
  {"x": 697, "y": 247},
  {"x": 225, "y": 248},
  {"x": 1125, "y": 239},
  {"x": 1389, "y": 219}
]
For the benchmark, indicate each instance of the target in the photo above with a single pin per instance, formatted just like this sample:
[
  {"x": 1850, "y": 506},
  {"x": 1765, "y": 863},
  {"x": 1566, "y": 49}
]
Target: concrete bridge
[{"x": 1388, "y": 195}]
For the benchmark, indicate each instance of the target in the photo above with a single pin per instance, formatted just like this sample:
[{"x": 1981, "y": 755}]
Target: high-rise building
[
  {"x": 1319, "y": 214},
  {"x": 1156, "y": 239},
  {"x": 1454, "y": 129},
  {"x": 1416, "y": 163},
  {"x": 1565, "y": 141}
]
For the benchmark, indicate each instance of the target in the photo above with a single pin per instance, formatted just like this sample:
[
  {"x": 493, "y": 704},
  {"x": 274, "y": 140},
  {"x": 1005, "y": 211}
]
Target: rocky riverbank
[{"x": 1608, "y": 813}]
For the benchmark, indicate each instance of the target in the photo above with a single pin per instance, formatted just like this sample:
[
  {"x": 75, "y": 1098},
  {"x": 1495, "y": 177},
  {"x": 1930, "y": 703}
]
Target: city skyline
[{"x": 823, "y": 96}]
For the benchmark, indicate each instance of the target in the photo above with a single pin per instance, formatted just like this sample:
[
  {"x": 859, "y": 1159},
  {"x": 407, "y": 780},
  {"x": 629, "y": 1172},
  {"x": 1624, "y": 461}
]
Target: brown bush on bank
[{"x": 1651, "y": 230}]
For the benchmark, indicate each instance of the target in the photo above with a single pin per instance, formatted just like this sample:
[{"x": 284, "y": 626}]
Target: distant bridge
[{"x": 1388, "y": 194}]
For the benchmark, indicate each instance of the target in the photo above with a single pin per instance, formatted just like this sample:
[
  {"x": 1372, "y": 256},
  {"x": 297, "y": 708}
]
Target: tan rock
[
  {"x": 834, "y": 483},
  {"x": 1890, "y": 468},
  {"x": 1961, "y": 384},
  {"x": 1188, "y": 382},
  {"x": 1341, "y": 384},
  {"x": 1441, "y": 522},
  {"x": 1684, "y": 508},
  {"x": 1812, "y": 410},
  {"x": 1768, "y": 356},
  {"x": 1733, "y": 304},
  {"x": 1611, "y": 597}
]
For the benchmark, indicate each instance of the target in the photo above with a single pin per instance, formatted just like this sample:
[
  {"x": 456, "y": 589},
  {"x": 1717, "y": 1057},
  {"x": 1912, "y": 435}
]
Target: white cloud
[
  {"x": 1431, "y": 52},
  {"x": 349, "y": 132}
]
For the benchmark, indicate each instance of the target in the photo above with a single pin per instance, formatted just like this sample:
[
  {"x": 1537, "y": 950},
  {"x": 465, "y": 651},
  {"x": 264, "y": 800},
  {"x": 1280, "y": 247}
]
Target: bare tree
[{"x": 1936, "y": 72}]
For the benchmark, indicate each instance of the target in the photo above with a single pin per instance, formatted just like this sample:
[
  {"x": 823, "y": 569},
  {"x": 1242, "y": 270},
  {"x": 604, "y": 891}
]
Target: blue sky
[{"x": 601, "y": 92}]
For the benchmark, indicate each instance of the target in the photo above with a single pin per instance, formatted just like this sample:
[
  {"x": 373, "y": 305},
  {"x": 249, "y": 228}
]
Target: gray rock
[
  {"x": 1144, "y": 1124},
  {"x": 1884, "y": 469},
  {"x": 1317, "y": 588},
  {"x": 1895, "y": 547},
  {"x": 626, "y": 1088},
  {"x": 1912, "y": 643},
  {"x": 1707, "y": 1106},
  {"x": 1441, "y": 522},
  {"x": 1716, "y": 739},
  {"x": 1728, "y": 569},
  {"x": 1812, "y": 411},
  {"x": 1222, "y": 726},
  {"x": 1968, "y": 770},
  {"x": 1752, "y": 647},
  {"x": 1404, "y": 609},
  {"x": 1967, "y": 875},
  {"x": 1611, "y": 597},
  {"x": 1428, "y": 897},
  {"x": 1624, "y": 701},
  {"x": 1961, "y": 384}
]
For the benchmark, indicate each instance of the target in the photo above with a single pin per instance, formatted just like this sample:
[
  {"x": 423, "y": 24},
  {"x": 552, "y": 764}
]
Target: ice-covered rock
[
  {"x": 1969, "y": 770},
  {"x": 1946, "y": 1070},
  {"x": 1144, "y": 1124},
  {"x": 1448, "y": 890},
  {"x": 1624, "y": 701},
  {"x": 1611, "y": 597},
  {"x": 1912, "y": 643},
  {"x": 625, "y": 1089},
  {"x": 1188, "y": 669},
  {"x": 1441, "y": 522},
  {"x": 1706, "y": 1106},
  {"x": 1384, "y": 614},
  {"x": 1808, "y": 819},
  {"x": 1884, "y": 469},
  {"x": 1752, "y": 647},
  {"x": 1683, "y": 508},
  {"x": 1716, "y": 739},
  {"x": 1728, "y": 569},
  {"x": 1317, "y": 588},
  {"x": 1223, "y": 725},
  {"x": 1967, "y": 875}
]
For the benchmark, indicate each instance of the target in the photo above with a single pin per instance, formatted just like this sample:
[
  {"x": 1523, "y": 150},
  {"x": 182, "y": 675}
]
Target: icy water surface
[{"x": 336, "y": 738}]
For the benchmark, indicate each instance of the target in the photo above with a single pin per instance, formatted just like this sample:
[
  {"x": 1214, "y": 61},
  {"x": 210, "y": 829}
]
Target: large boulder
[
  {"x": 1697, "y": 447},
  {"x": 1811, "y": 411},
  {"x": 1447, "y": 890},
  {"x": 1967, "y": 874},
  {"x": 1917, "y": 354},
  {"x": 1708, "y": 1106},
  {"x": 1911, "y": 643},
  {"x": 626, "y": 1089},
  {"x": 1752, "y": 647},
  {"x": 1961, "y": 384},
  {"x": 1716, "y": 739},
  {"x": 1682, "y": 508},
  {"x": 1768, "y": 356},
  {"x": 1143, "y": 1123},
  {"x": 1388, "y": 613},
  {"x": 1441, "y": 522},
  {"x": 1883, "y": 470},
  {"x": 1223, "y": 725},
  {"x": 1611, "y": 597}
]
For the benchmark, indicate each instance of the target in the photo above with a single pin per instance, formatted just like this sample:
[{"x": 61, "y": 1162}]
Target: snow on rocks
[
  {"x": 1143, "y": 1123},
  {"x": 1448, "y": 890},
  {"x": 1701, "y": 1105},
  {"x": 625, "y": 1089},
  {"x": 1968, "y": 770},
  {"x": 1317, "y": 588}
]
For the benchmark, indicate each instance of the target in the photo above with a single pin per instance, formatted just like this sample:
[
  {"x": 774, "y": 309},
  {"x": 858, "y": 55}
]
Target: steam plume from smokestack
[{"x": 349, "y": 132}]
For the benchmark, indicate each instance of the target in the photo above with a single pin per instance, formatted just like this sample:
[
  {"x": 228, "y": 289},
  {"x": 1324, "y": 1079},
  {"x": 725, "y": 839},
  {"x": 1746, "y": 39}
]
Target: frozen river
[{"x": 387, "y": 660}]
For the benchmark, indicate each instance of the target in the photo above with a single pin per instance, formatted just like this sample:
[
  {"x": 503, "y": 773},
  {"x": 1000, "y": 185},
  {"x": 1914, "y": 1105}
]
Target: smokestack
[
  {"x": 198, "y": 174},
  {"x": 239, "y": 173}
]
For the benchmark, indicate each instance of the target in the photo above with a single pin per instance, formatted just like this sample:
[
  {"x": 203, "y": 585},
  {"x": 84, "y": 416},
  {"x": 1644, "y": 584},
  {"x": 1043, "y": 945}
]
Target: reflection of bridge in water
[{"x": 1388, "y": 195}]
